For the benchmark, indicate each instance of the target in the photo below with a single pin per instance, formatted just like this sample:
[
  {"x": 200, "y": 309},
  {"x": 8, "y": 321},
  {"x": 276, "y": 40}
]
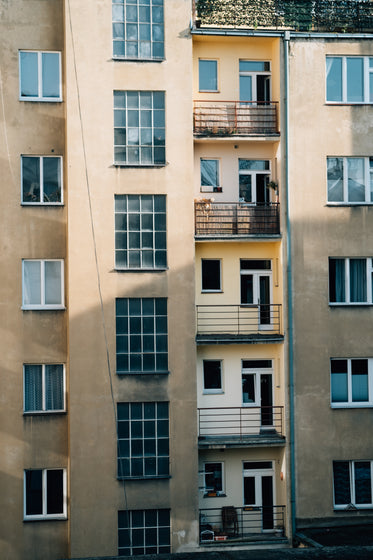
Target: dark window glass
[
  {"x": 211, "y": 280},
  {"x": 342, "y": 489},
  {"x": 212, "y": 374}
]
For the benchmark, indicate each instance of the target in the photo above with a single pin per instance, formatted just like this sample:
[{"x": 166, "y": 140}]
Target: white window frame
[
  {"x": 211, "y": 188},
  {"x": 253, "y": 74},
  {"x": 257, "y": 372},
  {"x": 352, "y": 486},
  {"x": 217, "y": 74},
  {"x": 212, "y": 391},
  {"x": 44, "y": 515},
  {"x": 350, "y": 403},
  {"x": 219, "y": 493},
  {"x": 217, "y": 290},
  {"x": 43, "y": 305},
  {"x": 40, "y": 96},
  {"x": 257, "y": 474},
  {"x": 368, "y": 180},
  {"x": 41, "y": 175},
  {"x": 366, "y": 76},
  {"x": 44, "y": 409},
  {"x": 253, "y": 173},
  {"x": 369, "y": 274}
]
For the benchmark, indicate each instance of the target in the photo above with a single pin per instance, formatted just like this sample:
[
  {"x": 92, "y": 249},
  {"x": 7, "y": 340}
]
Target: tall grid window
[
  {"x": 44, "y": 388},
  {"x": 143, "y": 532},
  {"x": 140, "y": 232},
  {"x": 138, "y": 29},
  {"x": 142, "y": 345},
  {"x": 139, "y": 128},
  {"x": 143, "y": 440}
]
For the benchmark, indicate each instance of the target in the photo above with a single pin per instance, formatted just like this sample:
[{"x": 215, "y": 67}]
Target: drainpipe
[{"x": 286, "y": 42}]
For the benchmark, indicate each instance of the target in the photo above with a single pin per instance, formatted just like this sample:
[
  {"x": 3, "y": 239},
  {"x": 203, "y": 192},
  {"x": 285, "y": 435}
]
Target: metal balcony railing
[
  {"x": 230, "y": 522},
  {"x": 235, "y": 118},
  {"x": 236, "y": 218},
  {"x": 346, "y": 16},
  {"x": 240, "y": 421},
  {"x": 238, "y": 319}
]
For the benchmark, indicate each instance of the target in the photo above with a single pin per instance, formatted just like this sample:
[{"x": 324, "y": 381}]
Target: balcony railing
[
  {"x": 240, "y": 523},
  {"x": 301, "y": 15},
  {"x": 236, "y": 320},
  {"x": 240, "y": 422},
  {"x": 235, "y": 118},
  {"x": 238, "y": 219}
]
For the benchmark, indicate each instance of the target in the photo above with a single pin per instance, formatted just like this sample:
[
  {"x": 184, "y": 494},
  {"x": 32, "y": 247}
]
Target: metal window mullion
[{"x": 344, "y": 79}]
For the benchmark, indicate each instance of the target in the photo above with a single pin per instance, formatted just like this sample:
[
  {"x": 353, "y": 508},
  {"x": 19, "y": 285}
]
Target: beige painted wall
[
  {"x": 320, "y": 231},
  {"x": 96, "y": 494},
  {"x": 34, "y": 441}
]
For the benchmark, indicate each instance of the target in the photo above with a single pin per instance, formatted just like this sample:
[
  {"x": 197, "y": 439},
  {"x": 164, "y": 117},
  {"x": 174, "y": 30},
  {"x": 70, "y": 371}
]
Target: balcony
[
  {"x": 240, "y": 427},
  {"x": 236, "y": 524},
  {"x": 233, "y": 219},
  {"x": 235, "y": 118},
  {"x": 345, "y": 16},
  {"x": 239, "y": 324}
]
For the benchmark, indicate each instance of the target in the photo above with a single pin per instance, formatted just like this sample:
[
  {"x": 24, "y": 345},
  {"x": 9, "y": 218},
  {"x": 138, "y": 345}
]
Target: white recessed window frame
[
  {"x": 350, "y": 281},
  {"x": 210, "y": 174},
  {"x": 351, "y": 382},
  {"x": 44, "y": 510},
  {"x": 47, "y": 383},
  {"x": 209, "y": 283},
  {"x": 343, "y": 188},
  {"x": 340, "y": 75},
  {"x": 43, "y": 73},
  {"x": 355, "y": 484},
  {"x": 212, "y": 371},
  {"x": 217, "y": 488},
  {"x": 211, "y": 84},
  {"x": 38, "y": 296},
  {"x": 36, "y": 191}
]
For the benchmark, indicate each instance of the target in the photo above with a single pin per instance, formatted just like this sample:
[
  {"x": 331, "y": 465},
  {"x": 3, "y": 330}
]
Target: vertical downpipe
[{"x": 286, "y": 39}]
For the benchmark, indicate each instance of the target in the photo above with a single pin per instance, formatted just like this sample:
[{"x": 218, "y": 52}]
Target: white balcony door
[
  {"x": 258, "y": 488},
  {"x": 256, "y": 289},
  {"x": 257, "y": 389}
]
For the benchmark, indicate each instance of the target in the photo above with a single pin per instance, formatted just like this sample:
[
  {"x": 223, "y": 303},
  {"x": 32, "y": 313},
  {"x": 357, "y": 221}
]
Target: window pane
[
  {"x": 211, "y": 274},
  {"x": 213, "y": 477},
  {"x": 209, "y": 172},
  {"x": 254, "y": 66},
  {"x": 54, "y": 387},
  {"x": 339, "y": 387},
  {"x": 29, "y": 74},
  {"x": 34, "y": 492},
  {"x": 55, "y": 491},
  {"x": 355, "y": 79},
  {"x": 51, "y": 74},
  {"x": 248, "y": 388},
  {"x": 333, "y": 79},
  {"x": 358, "y": 280},
  {"x": 52, "y": 179},
  {"x": 363, "y": 484},
  {"x": 33, "y": 388},
  {"x": 32, "y": 283},
  {"x": 30, "y": 179},
  {"x": 356, "y": 179},
  {"x": 212, "y": 374},
  {"x": 359, "y": 380},
  {"x": 53, "y": 283},
  {"x": 335, "y": 179},
  {"x": 337, "y": 285},
  {"x": 208, "y": 75},
  {"x": 341, "y": 475}
]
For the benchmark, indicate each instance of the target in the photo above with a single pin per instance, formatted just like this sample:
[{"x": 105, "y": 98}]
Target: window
[
  {"x": 351, "y": 382},
  {"x": 210, "y": 180},
  {"x": 256, "y": 287},
  {"x": 143, "y": 440},
  {"x": 141, "y": 335},
  {"x": 213, "y": 479},
  {"x": 211, "y": 275},
  {"x": 208, "y": 75},
  {"x": 139, "y": 128},
  {"x": 143, "y": 531},
  {"x": 138, "y": 29},
  {"x": 44, "y": 388},
  {"x": 212, "y": 376},
  {"x": 253, "y": 181},
  {"x": 140, "y": 232},
  {"x": 43, "y": 284},
  {"x": 349, "y": 79},
  {"x": 41, "y": 180},
  {"x": 352, "y": 484},
  {"x": 40, "y": 76},
  {"x": 259, "y": 490},
  {"x": 45, "y": 494},
  {"x": 350, "y": 280},
  {"x": 255, "y": 80},
  {"x": 350, "y": 179}
]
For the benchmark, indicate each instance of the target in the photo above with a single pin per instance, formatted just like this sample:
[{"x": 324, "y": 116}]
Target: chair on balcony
[{"x": 230, "y": 521}]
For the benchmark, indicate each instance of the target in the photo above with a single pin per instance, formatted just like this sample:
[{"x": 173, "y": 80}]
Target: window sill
[
  {"x": 344, "y": 406},
  {"x": 38, "y": 204},
  {"x": 140, "y": 165},
  {"x": 127, "y": 59},
  {"x": 62, "y": 517},
  {"x": 43, "y": 412},
  {"x": 346, "y": 508},
  {"x": 137, "y": 373},
  {"x": 215, "y": 495},
  {"x": 136, "y": 270},
  {"x": 42, "y": 100},
  {"x": 212, "y": 392},
  {"x": 212, "y": 292},
  {"x": 348, "y": 103},
  {"x": 161, "y": 477},
  {"x": 342, "y": 304},
  {"x": 348, "y": 204},
  {"x": 43, "y": 308}
]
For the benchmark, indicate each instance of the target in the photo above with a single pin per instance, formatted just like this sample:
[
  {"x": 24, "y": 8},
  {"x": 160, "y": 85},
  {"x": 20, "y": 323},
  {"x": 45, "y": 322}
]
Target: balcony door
[
  {"x": 257, "y": 389},
  {"x": 258, "y": 479},
  {"x": 256, "y": 289},
  {"x": 254, "y": 176},
  {"x": 255, "y": 81}
]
